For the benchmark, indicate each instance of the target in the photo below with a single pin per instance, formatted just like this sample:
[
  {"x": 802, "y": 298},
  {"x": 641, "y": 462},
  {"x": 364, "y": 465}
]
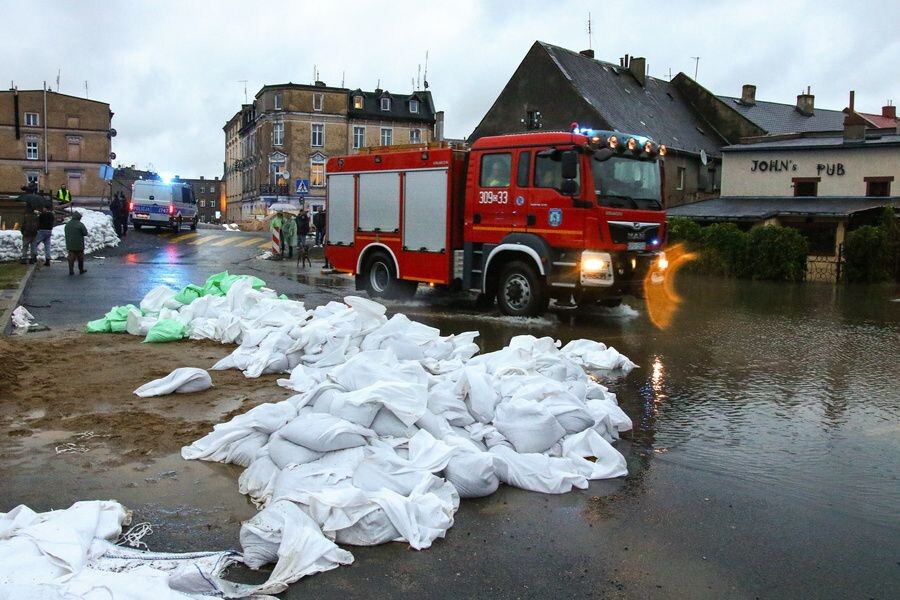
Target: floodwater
[{"x": 764, "y": 463}]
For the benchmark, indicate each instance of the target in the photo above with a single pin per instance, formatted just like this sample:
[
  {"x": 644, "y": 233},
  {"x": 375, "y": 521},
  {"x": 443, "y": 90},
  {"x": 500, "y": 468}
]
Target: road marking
[
  {"x": 186, "y": 236},
  {"x": 249, "y": 242},
  {"x": 203, "y": 240},
  {"x": 224, "y": 240}
]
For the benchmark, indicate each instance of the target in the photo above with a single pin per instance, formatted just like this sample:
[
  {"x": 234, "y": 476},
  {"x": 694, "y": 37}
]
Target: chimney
[
  {"x": 589, "y": 53},
  {"x": 806, "y": 103},
  {"x": 748, "y": 94},
  {"x": 638, "y": 68},
  {"x": 627, "y": 61},
  {"x": 854, "y": 125},
  {"x": 439, "y": 126},
  {"x": 320, "y": 83},
  {"x": 889, "y": 111}
]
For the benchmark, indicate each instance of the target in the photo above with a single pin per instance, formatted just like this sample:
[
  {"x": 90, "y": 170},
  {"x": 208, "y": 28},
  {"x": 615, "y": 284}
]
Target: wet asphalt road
[{"x": 764, "y": 461}]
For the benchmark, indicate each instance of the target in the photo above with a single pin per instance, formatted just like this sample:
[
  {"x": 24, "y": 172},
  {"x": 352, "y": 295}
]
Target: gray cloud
[{"x": 170, "y": 70}]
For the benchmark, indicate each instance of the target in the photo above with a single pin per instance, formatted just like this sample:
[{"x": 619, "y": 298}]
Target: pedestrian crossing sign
[{"x": 302, "y": 187}]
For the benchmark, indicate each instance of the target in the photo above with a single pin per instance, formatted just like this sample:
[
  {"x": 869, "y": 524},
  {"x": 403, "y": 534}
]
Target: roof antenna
[
  {"x": 58, "y": 71},
  {"x": 590, "y": 34},
  {"x": 696, "y": 66},
  {"x": 244, "y": 81},
  {"x": 425, "y": 77},
  {"x": 419, "y": 76},
  {"x": 85, "y": 89},
  {"x": 342, "y": 78}
]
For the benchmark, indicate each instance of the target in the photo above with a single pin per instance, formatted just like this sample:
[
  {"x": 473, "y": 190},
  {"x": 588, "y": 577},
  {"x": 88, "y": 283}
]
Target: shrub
[
  {"x": 724, "y": 249},
  {"x": 682, "y": 229},
  {"x": 866, "y": 251},
  {"x": 777, "y": 252},
  {"x": 891, "y": 225}
]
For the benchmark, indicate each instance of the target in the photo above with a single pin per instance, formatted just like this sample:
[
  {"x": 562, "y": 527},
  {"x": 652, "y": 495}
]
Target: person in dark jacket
[
  {"x": 75, "y": 234},
  {"x": 118, "y": 209},
  {"x": 319, "y": 222},
  {"x": 302, "y": 228},
  {"x": 29, "y": 227},
  {"x": 44, "y": 234}
]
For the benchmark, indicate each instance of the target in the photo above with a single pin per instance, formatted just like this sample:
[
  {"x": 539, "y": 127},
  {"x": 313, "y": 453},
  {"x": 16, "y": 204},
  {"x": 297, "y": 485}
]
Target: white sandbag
[
  {"x": 156, "y": 299},
  {"x": 608, "y": 462},
  {"x": 593, "y": 355},
  {"x": 481, "y": 398},
  {"x": 607, "y": 408},
  {"x": 258, "y": 480},
  {"x": 444, "y": 400},
  {"x": 527, "y": 425},
  {"x": 183, "y": 380},
  {"x": 472, "y": 474},
  {"x": 331, "y": 401},
  {"x": 284, "y": 453},
  {"x": 408, "y": 401},
  {"x": 215, "y": 446},
  {"x": 284, "y": 534},
  {"x": 570, "y": 412},
  {"x": 138, "y": 324},
  {"x": 324, "y": 433},
  {"x": 371, "y": 529},
  {"x": 536, "y": 472},
  {"x": 386, "y": 424}
]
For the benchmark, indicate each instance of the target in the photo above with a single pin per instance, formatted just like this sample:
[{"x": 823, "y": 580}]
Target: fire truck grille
[{"x": 625, "y": 233}]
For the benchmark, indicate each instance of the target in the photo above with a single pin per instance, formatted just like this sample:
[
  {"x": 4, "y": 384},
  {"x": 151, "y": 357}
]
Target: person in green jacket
[
  {"x": 288, "y": 235},
  {"x": 75, "y": 234}
]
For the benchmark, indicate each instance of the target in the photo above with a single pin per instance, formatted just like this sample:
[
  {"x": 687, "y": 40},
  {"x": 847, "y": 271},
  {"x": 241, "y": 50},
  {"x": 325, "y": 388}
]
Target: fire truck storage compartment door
[
  {"x": 379, "y": 202},
  {"x": 339, "y": 223},
  {"x": 425, "y": 211}
]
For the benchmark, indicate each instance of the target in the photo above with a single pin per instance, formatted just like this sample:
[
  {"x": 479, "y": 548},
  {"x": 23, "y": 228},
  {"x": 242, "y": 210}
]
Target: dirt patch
[{"x": 84, "y": 383}]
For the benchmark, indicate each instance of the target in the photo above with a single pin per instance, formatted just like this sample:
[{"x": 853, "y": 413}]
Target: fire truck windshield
[{"x": 623, "y": 182}]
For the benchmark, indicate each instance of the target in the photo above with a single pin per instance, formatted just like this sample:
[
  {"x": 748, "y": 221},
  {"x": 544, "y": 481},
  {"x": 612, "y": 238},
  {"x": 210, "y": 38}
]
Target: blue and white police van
[{"x": 159, "y": 204}]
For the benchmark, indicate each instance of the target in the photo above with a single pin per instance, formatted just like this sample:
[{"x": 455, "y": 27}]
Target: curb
[{"x": 6, "y": 318}]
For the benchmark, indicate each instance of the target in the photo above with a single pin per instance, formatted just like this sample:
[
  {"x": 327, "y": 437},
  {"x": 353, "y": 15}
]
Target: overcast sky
[{"x": 171, "y": 70}]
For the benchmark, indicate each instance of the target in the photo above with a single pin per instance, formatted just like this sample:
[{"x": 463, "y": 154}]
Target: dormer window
[
  {"x": 414, "y": 106},
  {"x": 277, "y": 102},
  {"x": 318, "y": 101},
  {"x": 358, "y": 102},
  {"x": 385, "y": 103}
]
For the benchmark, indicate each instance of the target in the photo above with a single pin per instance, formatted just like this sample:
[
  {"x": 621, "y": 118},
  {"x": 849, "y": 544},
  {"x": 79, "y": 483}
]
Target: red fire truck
[{"x": 574, "y": 216}]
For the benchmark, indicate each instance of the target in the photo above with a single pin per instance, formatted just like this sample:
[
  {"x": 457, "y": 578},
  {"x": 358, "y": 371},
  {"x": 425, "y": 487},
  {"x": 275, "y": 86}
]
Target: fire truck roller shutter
[
  {"x": 379, "y": 202},
  {"x": 425, "y": 211},
  {"x": 339, "y": 225}
]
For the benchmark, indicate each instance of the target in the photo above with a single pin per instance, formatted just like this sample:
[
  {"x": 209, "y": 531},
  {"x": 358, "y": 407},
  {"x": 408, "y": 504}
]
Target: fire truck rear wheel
[
  {"x": 380, "y": 278},
  {"x": 521, "y": 293}
]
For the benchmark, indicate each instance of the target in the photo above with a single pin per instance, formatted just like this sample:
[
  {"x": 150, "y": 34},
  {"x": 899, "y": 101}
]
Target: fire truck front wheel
[
  {"x": 521, "y": 293},
  {"x": 380, "y": 279}
]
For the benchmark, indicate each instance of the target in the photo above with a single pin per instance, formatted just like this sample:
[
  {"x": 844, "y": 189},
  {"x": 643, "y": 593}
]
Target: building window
[
  {"x": 415, "y": 136},
  {"x": 32, "y": 119},
  {"x": 277, "y": 97},
  {"x": 358, "y": 102},
  {"x": 878, "y": 187},
  {"x": 359, "y": 137},
  {"x": 74, "y": 149},
  {"x": 318, "y": 134},
  {"x": 806, "y": 186},
  {"x": 711, "y": 180},
  {"x": 414, "y": 106},
  {"x": 318, "y": 101},
  {"x": 533, "y": 119},
  {"x": 680, "y": 185},
  {"x": 495, "y": 170},
  {"x": 385, "y": 104},
  {"x": 31, "y": 177},
  {"x": 278, "y": 134},
  {"x": 317, "y": 173},
  {"x": 387, "y": 136},
  {"x": 31, "y": 150},
  {"x": 73, "y": 121}
]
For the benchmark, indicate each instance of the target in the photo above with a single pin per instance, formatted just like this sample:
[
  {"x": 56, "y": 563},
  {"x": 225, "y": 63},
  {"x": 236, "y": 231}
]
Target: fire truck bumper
[{"x": 616, "y": 274}]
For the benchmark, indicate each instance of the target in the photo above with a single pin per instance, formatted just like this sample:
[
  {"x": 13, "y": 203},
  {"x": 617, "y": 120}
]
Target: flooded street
[{"x": 763, "y": 462}]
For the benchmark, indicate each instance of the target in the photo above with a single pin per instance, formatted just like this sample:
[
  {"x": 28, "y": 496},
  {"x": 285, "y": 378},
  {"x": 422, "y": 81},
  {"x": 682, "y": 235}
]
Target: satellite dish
[
  {"x": 286, "y": 174},
  {"x": 703, "y": 158},
  {"x": 112, "y": 156},
  {"x": 112, "y": 132}
]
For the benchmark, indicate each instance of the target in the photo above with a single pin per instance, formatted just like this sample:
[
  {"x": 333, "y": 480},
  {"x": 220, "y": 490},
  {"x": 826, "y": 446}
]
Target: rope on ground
[{"x": 135, "y": 534}]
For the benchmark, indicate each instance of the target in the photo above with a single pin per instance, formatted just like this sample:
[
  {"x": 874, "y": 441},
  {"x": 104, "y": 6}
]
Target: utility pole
[
  {"x": 696, "y": 66},
  {"x": 244, "y": 81}
]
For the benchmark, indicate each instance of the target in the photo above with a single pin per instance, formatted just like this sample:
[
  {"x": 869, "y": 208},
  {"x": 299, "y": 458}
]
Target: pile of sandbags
[
  {"x": 101, "y": 234},
  {"x": 391, "y": 423}
]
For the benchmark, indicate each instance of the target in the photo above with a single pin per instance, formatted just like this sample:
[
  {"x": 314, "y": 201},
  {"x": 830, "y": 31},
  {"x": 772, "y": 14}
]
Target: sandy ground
[{"x": 83, "y": 384}]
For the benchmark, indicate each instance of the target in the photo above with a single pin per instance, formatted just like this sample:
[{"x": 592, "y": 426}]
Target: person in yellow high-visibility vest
[{"x": 63, "y": 196}]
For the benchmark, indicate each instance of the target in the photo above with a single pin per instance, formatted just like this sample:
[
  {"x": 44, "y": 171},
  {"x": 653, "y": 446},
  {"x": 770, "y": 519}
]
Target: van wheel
[
  {"x": 380, "y": 279},
  {"x": 520, "y": 292},
  {"x": 176, "y": 225},
  {"x": 137, "y": 226},
  {"x": 194, "y": 225}
]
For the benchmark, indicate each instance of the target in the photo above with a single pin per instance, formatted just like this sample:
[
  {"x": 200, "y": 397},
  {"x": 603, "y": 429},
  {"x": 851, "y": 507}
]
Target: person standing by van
[
  {"x": 319, "y": 222},
  {"x": 75, "y": 234},
  {"x": 45, "y": 232}
]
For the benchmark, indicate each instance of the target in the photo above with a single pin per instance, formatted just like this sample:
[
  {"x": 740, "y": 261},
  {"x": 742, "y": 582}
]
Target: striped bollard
[{"x": 276, "y": 240}]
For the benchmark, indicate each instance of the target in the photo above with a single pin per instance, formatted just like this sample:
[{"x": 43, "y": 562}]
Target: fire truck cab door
[
  {"x": 550, "y": 213},
  {"x": 496, "y": 211}
]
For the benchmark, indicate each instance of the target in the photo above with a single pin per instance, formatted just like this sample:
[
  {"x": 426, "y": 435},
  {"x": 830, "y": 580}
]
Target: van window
[
  {"x": 495, "y": 169},
  {"x": 186, "y": 196}
]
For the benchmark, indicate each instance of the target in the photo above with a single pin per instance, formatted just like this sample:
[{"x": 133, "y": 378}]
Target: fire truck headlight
[
  {"x": 596, "y": 268},
  {"x": 662, "y": 262}
]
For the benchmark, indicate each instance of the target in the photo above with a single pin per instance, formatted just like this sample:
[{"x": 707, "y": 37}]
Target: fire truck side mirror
[
  {"x": 569, "y": 165},
  {"x": 568, "y": 187}
]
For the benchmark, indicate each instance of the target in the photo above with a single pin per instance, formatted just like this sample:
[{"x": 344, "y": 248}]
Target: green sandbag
[
  {"x": 165, "y": 330},
  {"x": 188, "y": 294},
  {"x": 256, "y": 282},
  {"x": 98, "y": 326}
]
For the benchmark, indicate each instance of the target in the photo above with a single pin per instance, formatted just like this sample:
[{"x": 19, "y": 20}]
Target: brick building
[
  {"x": 53, "y": 139},
  {"x": 208, "y": 193},
  {"x": 290, "y": 130}
]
